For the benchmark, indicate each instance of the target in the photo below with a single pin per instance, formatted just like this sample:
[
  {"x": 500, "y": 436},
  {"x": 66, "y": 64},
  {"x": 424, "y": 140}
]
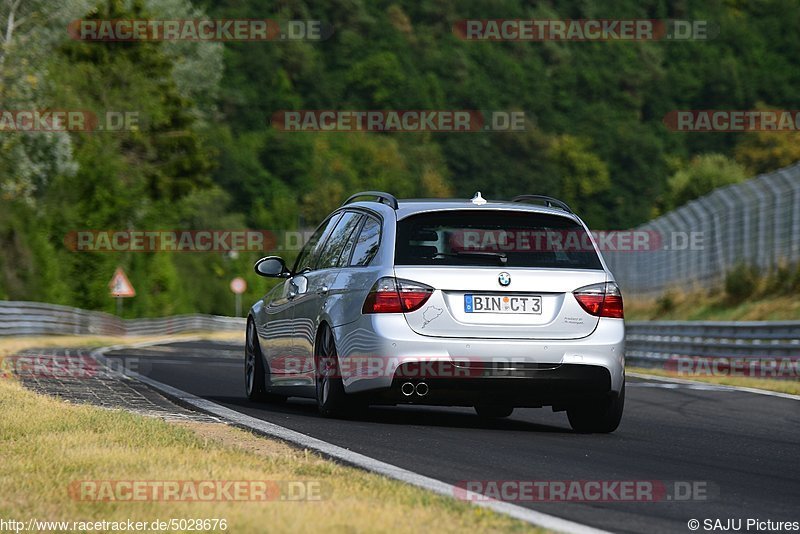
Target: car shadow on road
[{"x": 432, "y": 416}]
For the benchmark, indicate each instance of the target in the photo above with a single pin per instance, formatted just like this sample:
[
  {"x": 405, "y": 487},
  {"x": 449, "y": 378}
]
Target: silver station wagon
[{"x": 490, "y": 304}]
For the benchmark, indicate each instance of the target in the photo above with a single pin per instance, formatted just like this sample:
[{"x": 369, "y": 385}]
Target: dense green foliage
[{"x": 205, "y": 156}]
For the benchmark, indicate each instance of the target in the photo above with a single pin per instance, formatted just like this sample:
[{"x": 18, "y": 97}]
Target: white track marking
[
  {"x": 719, "y": 387},
  {"x": 666, "y": 385}
]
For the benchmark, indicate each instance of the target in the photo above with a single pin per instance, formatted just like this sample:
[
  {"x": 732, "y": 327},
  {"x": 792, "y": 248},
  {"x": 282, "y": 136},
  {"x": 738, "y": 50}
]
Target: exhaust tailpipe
[
  {"x": 407, "y": 389},
  {"x": 421, "y": 389}
]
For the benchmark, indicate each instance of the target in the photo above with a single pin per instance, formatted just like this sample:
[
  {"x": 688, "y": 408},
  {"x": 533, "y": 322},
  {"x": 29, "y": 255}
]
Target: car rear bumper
[
  {"x": 560, "y": 387},
  {"x": 377, "y": 351}
]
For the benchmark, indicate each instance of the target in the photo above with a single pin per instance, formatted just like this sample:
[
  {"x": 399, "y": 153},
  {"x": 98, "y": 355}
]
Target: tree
[
  {"x": 344, "y": 163},
  {"x": 28, "y": 36},
  {"x": 763, "y": 151},
  {"x": 581, "y": 173},
  {"x": 703, "y": 174}
]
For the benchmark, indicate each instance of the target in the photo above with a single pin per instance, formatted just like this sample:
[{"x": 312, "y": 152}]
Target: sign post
[
  {"x": 238, "y": 286},
  {"x": 120, "y": 287}
]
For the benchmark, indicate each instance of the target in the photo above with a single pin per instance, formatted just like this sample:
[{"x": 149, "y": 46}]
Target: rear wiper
[{"x": 465, "y": 254}]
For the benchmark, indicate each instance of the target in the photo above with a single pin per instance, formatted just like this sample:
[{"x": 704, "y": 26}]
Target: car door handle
[{"x": 322, "y": 290}]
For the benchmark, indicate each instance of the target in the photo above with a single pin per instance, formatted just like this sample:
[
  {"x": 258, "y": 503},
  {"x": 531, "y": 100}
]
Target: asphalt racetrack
[{"x": 738, "y": 450}]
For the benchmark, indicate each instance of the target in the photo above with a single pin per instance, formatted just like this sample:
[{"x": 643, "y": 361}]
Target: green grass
[
  {"x": 47, "y": 444},
  {"x": 703, "y": 307},
  {"x": 747, "y": 294}
]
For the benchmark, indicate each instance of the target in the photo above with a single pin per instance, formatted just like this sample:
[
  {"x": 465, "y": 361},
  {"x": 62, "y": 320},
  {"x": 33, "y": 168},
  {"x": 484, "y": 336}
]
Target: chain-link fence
[{"x": 756, "y": 222}]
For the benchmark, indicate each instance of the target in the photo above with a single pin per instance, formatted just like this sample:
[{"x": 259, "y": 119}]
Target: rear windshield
[{"x": 502, "y": 238}]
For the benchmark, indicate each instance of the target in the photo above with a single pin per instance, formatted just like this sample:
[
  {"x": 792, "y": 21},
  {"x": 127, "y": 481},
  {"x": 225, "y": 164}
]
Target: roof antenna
[{"x": 478, "y": 200}]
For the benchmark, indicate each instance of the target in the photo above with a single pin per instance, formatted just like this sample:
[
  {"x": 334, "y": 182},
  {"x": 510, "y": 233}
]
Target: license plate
[{"x": 503, "y": 304}]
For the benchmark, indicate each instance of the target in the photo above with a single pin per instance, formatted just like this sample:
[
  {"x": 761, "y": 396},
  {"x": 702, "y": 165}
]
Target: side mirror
[{"x": 272, "y": 266}]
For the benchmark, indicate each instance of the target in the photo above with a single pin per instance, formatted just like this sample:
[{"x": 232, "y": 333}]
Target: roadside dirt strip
[{"x": 74, "y": 375}]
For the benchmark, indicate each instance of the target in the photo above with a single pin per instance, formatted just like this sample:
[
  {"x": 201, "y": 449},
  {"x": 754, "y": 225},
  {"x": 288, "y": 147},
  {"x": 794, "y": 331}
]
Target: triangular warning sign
[{"x": 120, "y": 286}]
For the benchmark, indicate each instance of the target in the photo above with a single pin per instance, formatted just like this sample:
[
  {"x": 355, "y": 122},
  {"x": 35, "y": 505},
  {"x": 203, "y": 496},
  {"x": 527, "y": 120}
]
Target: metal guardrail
[
  {"x": 658, "y": 341},
  {"x": 649, "y": 342},
  {"x": 19, "y": 318}
]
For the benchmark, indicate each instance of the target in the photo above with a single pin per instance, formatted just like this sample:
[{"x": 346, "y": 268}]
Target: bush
[
  {"x": 779, "y": 281},
  {"x": 665, "y": 303},
  {"x": 741, "y": 282}
]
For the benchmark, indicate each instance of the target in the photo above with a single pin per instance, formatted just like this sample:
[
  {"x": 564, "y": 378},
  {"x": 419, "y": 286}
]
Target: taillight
[
  {"x": 601, "y": 300},
  {"x": 395, "y": 295}
]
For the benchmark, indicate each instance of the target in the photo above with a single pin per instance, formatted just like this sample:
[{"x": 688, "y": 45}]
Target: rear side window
[
  {"x": 329, "y": 256},
  {"x": 496, "y": 238},
  {"x": 367, "y": 243},
  {"x": 350, "y": 241},
  {"x": 310, "y": 253}
]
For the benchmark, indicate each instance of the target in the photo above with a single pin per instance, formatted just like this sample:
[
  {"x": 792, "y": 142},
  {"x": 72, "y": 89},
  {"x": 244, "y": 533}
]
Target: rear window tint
[{"x": 502, "y": 238}]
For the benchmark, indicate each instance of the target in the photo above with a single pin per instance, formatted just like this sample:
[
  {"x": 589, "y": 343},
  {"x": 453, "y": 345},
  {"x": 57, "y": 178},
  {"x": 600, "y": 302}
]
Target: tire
[
  {"x": 255, "y": 378},
  {"x": 332, "y": 399},
  {"x": 602, "y": 416},
  {"x": 490, "y": 411}
]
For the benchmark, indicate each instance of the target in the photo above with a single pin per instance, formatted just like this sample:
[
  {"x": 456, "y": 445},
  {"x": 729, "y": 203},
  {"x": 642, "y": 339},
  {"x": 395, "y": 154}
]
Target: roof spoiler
[
  {"x": 380, "y": 196},
  {"x": 550, "y": 202}
]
